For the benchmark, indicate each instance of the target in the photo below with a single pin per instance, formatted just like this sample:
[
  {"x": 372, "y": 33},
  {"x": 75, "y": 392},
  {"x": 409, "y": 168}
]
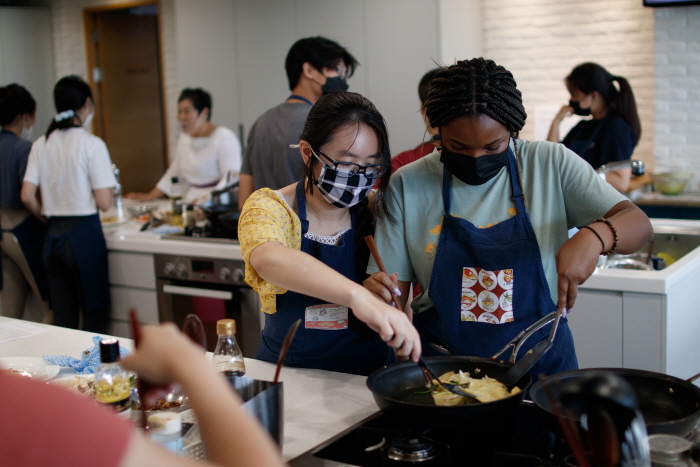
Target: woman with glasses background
[{"x": 305, "y": 252}]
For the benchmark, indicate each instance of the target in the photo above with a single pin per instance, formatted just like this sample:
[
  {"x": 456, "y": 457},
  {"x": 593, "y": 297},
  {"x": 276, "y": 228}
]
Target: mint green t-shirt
[{"x": 561, "y": 191}]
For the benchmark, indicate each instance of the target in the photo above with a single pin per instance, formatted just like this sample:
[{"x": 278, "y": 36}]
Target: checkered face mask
[{"x": 343, "y": 192}]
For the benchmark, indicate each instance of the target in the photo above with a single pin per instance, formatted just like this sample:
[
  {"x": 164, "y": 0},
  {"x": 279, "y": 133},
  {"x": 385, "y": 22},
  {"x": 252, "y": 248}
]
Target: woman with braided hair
[
  {"x": 614, "y": 129},
  {"x": 482, "y": 222}
]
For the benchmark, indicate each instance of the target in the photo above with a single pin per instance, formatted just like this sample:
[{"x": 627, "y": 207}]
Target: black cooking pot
[{"x": 669, "y": 404}]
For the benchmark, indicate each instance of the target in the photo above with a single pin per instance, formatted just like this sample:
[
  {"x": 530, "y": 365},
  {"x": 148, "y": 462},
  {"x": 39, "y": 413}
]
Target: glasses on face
[
  {"x": 341, "y": 71},
  {"x": 348, "y": 169}
]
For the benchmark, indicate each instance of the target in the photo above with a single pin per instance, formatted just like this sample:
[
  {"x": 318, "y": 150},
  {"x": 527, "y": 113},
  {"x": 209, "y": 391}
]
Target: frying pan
[
  {"x": 669, "y": 405},
  {"x": 395, "y": 387}
]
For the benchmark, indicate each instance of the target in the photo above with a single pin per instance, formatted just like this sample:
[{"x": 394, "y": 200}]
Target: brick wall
[
  {"x": 69, "y": 49},
  {"x": 540, "y": 41},
  {"x": 677, "y": 103}
]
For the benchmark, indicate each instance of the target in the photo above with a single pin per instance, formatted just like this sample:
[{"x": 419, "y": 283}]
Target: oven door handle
[{"x": 194, "y": 292}]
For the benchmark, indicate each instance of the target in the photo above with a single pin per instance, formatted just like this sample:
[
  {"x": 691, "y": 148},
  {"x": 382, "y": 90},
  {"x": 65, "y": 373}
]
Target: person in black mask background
[
  {"x": 315, "y": 66},
  {"x": 483, "y": 223},
  {"x": 614, "y": 129},
  {"x": 22, "y": 233}
]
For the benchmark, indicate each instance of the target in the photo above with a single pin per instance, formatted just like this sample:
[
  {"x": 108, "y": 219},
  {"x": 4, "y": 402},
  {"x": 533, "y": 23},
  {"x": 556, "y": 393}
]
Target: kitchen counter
[
  {"x": 683, "y": 206},
  {"x": 654, "y": 198},
  {"x": 318, "y": 405},
  {"x": 127, "y": 237},
  {"x": 641, "y": 319}
]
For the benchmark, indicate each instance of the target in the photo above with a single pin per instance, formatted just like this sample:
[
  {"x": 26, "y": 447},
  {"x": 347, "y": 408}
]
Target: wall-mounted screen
[{"x": 671, "y": 2}]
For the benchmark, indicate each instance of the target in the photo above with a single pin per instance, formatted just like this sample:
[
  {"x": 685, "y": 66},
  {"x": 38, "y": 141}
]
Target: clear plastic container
[
  {"x": 228, "y": 357},
  {"x": 165, "y": 428}
]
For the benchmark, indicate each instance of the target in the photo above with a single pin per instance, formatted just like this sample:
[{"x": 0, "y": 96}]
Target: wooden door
[{"x": 127, "y": 79}]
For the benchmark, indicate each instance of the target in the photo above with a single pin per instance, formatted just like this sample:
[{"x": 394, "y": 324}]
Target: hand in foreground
[
  {"x": 576, "y": 261},
  {"x": 163, "y": 351},
  {"x": 138, "y": 196},
  {"x": 382, "y": 286},
  {"x": 392, "y": 325}
]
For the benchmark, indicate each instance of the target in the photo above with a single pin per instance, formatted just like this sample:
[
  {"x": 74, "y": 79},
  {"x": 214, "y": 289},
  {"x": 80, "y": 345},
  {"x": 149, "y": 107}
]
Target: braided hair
[{"x": 474, "y": 87}]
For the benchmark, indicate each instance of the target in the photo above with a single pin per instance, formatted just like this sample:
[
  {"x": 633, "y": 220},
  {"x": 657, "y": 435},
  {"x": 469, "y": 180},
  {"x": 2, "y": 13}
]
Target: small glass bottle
[
  {"x": 176, "y": 201},
  {"x": 228, "y": 357},
  {"x": 111, "y": 380},
  {"x": 165, "y": 428}
]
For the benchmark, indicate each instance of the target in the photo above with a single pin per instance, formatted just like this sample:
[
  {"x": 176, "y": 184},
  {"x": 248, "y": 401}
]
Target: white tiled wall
[
  {"x": 677, "y": 103},
  {"x": 540, "y": 41},
  {"x": 69, "y": 49}
]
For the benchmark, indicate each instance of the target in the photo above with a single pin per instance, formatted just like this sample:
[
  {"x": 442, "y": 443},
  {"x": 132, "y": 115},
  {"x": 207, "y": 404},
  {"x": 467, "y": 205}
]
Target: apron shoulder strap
[
  {"x": 518, "y": 196},
  {"x": 301, "y": 207}
]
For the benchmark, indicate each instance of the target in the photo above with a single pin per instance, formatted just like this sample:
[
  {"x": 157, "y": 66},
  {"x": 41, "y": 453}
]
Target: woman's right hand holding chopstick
[
  {"x": 392, "y": 324},
  {"x": 384, "y": 286}
]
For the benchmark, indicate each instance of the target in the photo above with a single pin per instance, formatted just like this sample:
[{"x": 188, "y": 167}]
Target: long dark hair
[
  {"x": 15, "y": 100},
  {"x": 589, "y": 77},
  {"x": 69, "y": 93},
  {"x": 474, "y": 87},
  {"x": 336, "y": 110}
]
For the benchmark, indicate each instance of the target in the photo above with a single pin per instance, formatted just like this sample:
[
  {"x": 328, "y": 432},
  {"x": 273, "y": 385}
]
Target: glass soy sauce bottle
[
  {"x": 112, "y": 386},
  {"x": 228, "y": 357}
]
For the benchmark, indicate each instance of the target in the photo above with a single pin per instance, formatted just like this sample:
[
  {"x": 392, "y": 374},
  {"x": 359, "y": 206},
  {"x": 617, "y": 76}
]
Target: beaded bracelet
[
  {"x": 616, "y": 239},
  {"x": 597, "y": 235}
]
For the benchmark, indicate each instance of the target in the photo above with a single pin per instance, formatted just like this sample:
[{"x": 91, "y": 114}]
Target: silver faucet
[{"x": 637, "y": 166}]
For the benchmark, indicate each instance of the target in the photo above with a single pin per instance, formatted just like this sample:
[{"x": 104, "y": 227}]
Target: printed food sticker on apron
[
  {"x": 327, "y": 317},
  {"x": 487, "y": 296}
]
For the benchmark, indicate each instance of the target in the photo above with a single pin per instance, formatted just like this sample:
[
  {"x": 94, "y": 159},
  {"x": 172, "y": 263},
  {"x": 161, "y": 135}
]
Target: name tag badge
[{"x": 326, "y": 317}]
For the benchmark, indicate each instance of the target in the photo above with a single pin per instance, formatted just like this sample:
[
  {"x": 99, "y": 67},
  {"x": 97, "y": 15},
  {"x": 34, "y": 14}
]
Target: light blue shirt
[{"x": 561, "y": 191}]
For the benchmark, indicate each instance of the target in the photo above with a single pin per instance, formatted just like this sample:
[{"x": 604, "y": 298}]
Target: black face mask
[
  {"x": 336, "y": 83},
  {"x": 473, "y": 170},
  {"x": 576, "y": 105}
]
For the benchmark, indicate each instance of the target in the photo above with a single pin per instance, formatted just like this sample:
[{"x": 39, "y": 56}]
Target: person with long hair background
[
  {"x": 613, "y": 130},
  {"x": 69, "y": 177}
]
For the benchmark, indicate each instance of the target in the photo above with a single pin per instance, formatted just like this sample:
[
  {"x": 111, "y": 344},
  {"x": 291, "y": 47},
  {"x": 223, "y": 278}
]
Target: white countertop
[
  {"x": 318, "y": 405},
  {"x": 656, "y": 282},
  {"x": 127, "y": 237}
]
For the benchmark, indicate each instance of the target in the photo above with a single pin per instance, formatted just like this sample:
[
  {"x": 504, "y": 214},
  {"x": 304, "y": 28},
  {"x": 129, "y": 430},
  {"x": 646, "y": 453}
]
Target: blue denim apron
[
  {"x": 488, "y": 284},
  {"x": 581, "y": 146},
  {"x": 90, "y": 250},
  {"x": 356, "y": 349}
]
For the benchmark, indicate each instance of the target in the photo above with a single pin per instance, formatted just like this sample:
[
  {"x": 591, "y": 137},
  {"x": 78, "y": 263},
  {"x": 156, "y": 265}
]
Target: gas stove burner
[{"x": 413, "y": 449}]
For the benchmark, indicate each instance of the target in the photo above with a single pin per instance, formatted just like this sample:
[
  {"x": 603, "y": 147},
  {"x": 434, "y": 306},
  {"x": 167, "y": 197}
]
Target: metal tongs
[
  {"x": 430, "y": 376},
  {"x": 521, "y": 367}
]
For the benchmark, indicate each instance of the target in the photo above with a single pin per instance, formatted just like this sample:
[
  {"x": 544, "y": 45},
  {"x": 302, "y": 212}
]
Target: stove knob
[
  {"x": 182, "y": 271},
  {"x": 224, "y": 274},
  {"x": 238, "y": 275},
  {"x": 169, "y": 269}
]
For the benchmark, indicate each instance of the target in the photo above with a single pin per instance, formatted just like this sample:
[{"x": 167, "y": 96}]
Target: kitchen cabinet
[
  {"x": 646, "y": 320},
  {"x": 132, "y": 285}
]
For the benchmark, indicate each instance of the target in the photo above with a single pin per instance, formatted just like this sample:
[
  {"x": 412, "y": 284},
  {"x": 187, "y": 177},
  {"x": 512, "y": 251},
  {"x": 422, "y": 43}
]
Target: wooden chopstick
[
  {"x": 378, "y": 259},
  {"x": 140, "y": 386}
]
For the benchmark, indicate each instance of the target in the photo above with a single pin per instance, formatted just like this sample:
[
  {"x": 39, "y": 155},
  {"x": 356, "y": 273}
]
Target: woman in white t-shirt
[
  {"x": 68, "y": 177},
  {"x": 207, "y": 156}
]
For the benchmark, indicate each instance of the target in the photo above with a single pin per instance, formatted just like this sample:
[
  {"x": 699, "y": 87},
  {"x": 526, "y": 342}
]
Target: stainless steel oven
[{"x": 212, "y": 289}]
